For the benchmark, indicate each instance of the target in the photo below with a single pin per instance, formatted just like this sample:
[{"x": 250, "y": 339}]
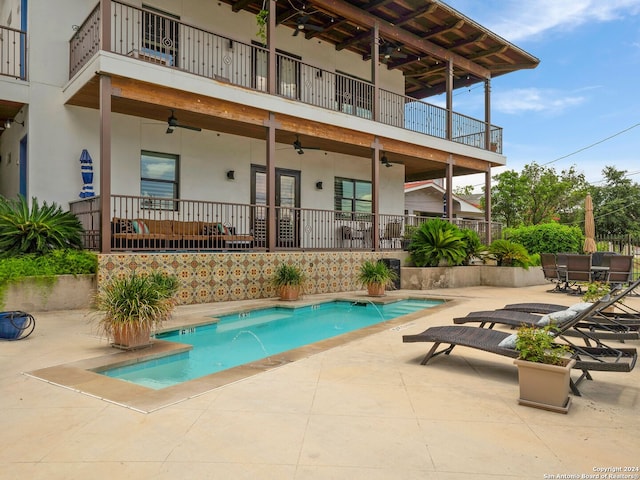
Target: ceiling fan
[
  {"x": 389, "y": 50},
  {"x": 172, "y": 124},
  {"x": 301, "y": 24},
  {"x": 297, "y": 145}
]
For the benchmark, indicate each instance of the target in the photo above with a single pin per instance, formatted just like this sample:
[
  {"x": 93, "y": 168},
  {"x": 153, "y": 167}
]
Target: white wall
[{"x": 57, "y": 133}]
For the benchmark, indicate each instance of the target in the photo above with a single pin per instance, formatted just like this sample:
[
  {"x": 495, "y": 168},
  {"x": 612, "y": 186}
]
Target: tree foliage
[
  {"x": 616, "y": 204},
  {"x": 537, "y": 195}
]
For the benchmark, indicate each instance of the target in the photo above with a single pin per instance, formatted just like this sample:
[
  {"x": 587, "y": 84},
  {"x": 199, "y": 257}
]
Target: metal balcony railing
[
  {"x": 153, "y": 224},
  {"x": 152, "y": 37},
  {"x": 13, "y": 53}
]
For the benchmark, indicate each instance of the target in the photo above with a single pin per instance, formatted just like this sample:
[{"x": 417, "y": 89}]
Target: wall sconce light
[
  {"x": 319, "y": 185},
  {"x": 9, "y": 121},
  {"x": 231, "y": 174}
]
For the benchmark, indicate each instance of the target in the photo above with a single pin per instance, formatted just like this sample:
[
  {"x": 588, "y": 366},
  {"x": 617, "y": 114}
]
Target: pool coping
[{"x": 82, "y": 377}]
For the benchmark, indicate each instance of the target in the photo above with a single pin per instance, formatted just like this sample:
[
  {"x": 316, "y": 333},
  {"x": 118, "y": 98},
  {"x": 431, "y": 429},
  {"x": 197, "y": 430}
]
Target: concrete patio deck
[{"x": 362, "y": 410}]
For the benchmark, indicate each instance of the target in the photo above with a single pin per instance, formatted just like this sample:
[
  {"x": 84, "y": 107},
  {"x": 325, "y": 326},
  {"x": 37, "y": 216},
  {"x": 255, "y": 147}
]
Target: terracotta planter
[
  {"x": 132, "y": 337},
  {"x": 289, "y": 292},
  {"x": 375, "y": 289},
  {"x": 545, "y": 386}
]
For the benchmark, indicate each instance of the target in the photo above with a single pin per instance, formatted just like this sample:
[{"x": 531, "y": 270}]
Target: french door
[{"x": 287, "y": 205}]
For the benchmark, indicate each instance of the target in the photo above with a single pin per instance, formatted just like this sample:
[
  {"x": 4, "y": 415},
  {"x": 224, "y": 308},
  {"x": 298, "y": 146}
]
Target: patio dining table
[{"x": 598, "y": 273}]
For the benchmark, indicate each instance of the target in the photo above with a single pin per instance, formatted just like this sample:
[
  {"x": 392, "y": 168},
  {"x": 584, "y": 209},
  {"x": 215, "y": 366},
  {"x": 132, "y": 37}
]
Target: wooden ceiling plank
[
  {"x": 425, "y": 10},
  {"x": 387, "y": 29},
  {"x": 444, "y": 29}
]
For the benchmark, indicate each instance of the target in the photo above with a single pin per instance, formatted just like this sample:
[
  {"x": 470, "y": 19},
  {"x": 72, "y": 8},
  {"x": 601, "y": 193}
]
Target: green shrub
[
  {"x": 36, "y": 229},
  {"x": 57, "y": 262},
  {"x": 437, "y": 241},
  {"x": 509, "y": 254},
  {"x": 547, "y": 238},
  {"x": 538, "y": 345}
]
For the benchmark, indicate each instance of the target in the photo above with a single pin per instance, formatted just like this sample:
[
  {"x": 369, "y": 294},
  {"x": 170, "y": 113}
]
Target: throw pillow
[
  {"x": 509, "y": 342},
  {"x": 139, "y": 226},
  {"x": 580, "y": 307},
  {"x": 122, "y": 225},
  {"x": 557, "y": 318},
  {"x": 209, "y": 230}
]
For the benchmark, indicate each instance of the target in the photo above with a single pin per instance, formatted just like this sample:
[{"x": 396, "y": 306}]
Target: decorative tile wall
[{"x": 217, "y": 277}]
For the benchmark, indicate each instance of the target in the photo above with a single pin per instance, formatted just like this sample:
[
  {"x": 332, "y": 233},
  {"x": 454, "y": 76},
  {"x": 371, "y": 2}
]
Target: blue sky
[{"x": 586, "y": 88}]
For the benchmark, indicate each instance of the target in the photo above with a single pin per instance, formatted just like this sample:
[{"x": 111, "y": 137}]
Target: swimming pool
[{"x": 249, "y": 336}]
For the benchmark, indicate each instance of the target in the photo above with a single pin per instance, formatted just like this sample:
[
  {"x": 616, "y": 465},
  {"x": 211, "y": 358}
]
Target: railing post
[
  {"x": 487, "y": 113},
  {"x": 375, "y": 71},
  {"x": 271, "y": 48},
  {"x": 487, "y": 204},
  {"x": 449, "y": 132},
  {"x": 105, "y": 25}
]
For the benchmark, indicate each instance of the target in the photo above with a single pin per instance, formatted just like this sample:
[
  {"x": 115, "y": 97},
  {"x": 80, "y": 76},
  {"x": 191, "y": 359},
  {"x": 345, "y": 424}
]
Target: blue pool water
[{"x": 246, "y": 337}]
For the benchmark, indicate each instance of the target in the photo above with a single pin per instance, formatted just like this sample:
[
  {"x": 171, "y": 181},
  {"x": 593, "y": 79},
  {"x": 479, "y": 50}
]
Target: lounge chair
[
  {"x": 626, "y": 314},
  {"x": 598, "y": 327},
  {"x": 590, "y": 358},
  {"x": 599, "y": 324}
]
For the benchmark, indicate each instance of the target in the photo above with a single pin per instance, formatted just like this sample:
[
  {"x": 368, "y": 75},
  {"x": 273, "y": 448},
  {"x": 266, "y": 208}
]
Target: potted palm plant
[
  {"x": 288, "y": 280},
  {"x": 543, "y": 369},
  {"x": 134, "y": 306},
  {"x": 376, "y": 276}
]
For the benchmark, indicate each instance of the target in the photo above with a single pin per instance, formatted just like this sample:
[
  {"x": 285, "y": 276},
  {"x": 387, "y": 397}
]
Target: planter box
[
  {"x": 427, "y": 278},
  {"x": 545, "y": 386},
  {"x": 64, "y": 292}
]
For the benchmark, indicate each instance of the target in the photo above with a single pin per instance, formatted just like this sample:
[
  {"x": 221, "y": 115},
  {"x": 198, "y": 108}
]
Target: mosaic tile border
[{"x": 219, "y": 277}]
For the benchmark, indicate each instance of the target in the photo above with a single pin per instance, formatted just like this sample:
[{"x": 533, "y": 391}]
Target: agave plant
[
  {"x": 435, "y": 242},
  {"x": 36, "y": 229}
]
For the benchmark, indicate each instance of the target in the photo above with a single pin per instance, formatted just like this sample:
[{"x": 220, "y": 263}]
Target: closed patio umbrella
[{"x": 589, "y": 226}]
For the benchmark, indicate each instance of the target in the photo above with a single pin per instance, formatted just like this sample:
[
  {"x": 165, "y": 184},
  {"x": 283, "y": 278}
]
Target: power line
[
  {"x": 593, "y": 144},
  {"x": 586, "y": 148}
]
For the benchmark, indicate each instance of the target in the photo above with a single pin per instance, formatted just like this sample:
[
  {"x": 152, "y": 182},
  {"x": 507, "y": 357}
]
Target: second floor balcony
[
  {"x": 13, "y": 53},
  {"x": 147, "y": 36}
]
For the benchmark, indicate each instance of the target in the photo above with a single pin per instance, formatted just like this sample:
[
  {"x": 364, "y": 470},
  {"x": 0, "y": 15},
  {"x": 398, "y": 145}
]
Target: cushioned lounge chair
[
  {"x": 600, "y": 357},
  {"x": 626, "y": 314},
  {"x": 600, "y": 328}
]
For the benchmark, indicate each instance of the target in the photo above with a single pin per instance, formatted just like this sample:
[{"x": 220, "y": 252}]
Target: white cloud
[
  {"x": 524, "y": 100},
  {"x": 518, "y": 20}
]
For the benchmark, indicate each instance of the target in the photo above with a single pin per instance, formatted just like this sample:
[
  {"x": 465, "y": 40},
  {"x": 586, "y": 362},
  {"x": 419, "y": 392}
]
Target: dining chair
[
  {"x": 620, "y": 270},
  {"x": 578, "y": 271}
]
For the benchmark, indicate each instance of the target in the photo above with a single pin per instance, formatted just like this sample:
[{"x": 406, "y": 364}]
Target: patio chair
[
  {"x": 348, "y": 235},
  {"x": 600, "y": 357},
  {"x": 620, "y": 270},
  {"x": 550, "y": 271},
  {"x": 600, "y": 324},
  {"x": 624, "y": 313},
  {"x": 392, "y": 234},
  {"x": 578, "y": 271}
]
